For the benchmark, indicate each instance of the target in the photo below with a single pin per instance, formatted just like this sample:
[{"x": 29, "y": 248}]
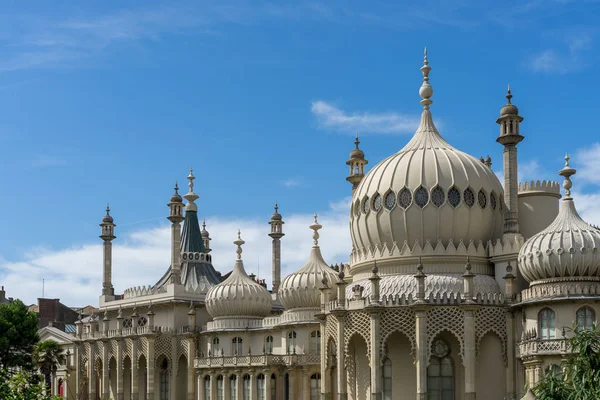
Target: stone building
[{"x": 458, "y": 286}]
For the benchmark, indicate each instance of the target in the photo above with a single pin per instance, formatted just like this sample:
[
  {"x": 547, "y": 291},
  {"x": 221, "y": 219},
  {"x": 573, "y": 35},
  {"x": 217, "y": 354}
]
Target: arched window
[
  {"x": 585, "y": 318},
  {"x": 387, "y": 379},
  {"x": 236, "y": 346},
  {"x": 440, "y": 372},
  {"x": 207, "y": 387},
  {"x": 233, "y": 386},
  {"x": 220, "y": 387},
  {"x": 164, "y": 380},
  {"x": 315, "y": 342},
  {"x": 315, "y": 387},
  {"x": 291, "y": 342},
  {"x": 273, "y": 387},
  {"x": 260, "y": 387},
  {"x": 546, "y": 321},
  {"x": 215, "y": 346},
  {"x": 246, "y": 388},
  {"x": 269, "y": 344}
]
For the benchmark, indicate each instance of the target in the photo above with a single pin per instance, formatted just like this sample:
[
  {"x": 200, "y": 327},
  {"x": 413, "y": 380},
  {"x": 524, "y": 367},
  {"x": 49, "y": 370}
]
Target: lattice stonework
[
  {"x": 162, "y": 347},
  {"x": 112, "y": 350},
  {"x": 357, "y": 322},
  {"x": 397, "y": 320},
  {"x": 331, "y": 327},
  {"x": 143, "y": 347},
  {"x": 449, "y": 319},
  {"x": 128, "y": 349},
  {"x": 182, "y": 347},
  {"x": 491, "y": 319},
  {"x": 98, "y": 350}
]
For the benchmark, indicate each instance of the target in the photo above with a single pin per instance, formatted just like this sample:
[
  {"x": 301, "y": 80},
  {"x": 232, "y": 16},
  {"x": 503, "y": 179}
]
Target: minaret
[
  {"x": 510, "y": 136},
  {"x": 108, "y": 235},
  {"x": 176, "y": 216},
  {"x": 276, "y": 234},
  {"x": 357, "y": 164},
  {"x": 205, "y": 237}
]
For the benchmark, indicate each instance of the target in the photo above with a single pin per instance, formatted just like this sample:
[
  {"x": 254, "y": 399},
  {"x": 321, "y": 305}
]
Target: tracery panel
[
  {"x": 491, "y": 319},
  {"x": 397, "y": 320},
  {"x": 449, "y": 319}
]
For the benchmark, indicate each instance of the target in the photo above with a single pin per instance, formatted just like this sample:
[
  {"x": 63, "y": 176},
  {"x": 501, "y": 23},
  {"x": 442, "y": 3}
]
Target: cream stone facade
[{"x": 458, "y": 286}]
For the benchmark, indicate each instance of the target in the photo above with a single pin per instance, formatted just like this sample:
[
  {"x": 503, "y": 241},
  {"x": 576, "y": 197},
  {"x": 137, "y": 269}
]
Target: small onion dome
[
  {"x": 108, "y": 219},
  {"x": 301, "y": 288},
  {"x": 357, "y": 153},
  {"x": 509, "y": 108},
  {"x": 204, "y": 233},
  {"x": 238, "y": 296},
  {"x": 568, "y": 248},
  {"x": 176, "y": 197},
  {"x": 276, "y": 216}
]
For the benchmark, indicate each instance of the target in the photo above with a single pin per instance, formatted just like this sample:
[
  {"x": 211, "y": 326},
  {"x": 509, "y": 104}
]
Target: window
[
  {"x": 233, "y": 386},
  {"x": 127, "y": 323},
  {"x": 214, "y": 350},
  {"x": 142, "y": 321},
  {"x": 421, "y": 196},
  {"x": 387, "y": 379},
  {"x": 273, "y": 387},
  {"x": 260, "y": 387},
  {"x": 357, "y": 208},
  {"x": 164, "y": 380},
  {"x": 546, "y": 321},
  {"x": 404, "y": 198},
  {"x": 377, "y": 202},
  {"x": 269, "y": 344},
  {"x": 292, "y": 342},
  {"x": 585, "y": 318},
  {"x": 315, "y": 387},
  {"x": 440, "y": 373},
  {"x": 220, "y": 387},
  {"x": 493, "y": 200},
  {"x": 366, "y": 205},
  {"x": 390, "y": 200},
  {"x": 236, "y": 346},
  {"x": 246, "y": 388},
  {"x": 481, "y": 198},
  {"x": 469, "y": 197},
  {"x": 437, "y": 196},
  {"x": 315, "y": 342},
  {"x": 454, "y": 197},
  {"x": 207, "y": 387}
]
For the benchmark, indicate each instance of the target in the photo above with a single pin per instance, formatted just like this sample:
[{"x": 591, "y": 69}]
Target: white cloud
[
  {"x": 140, "y": 257},
  {"x": 587, "y": 162},
  {"x": 587, "y": 206},
  {"x": 292, "y": 182},
  {"x": 332, "y": 117},
  {"x": 567, "y": 57}
]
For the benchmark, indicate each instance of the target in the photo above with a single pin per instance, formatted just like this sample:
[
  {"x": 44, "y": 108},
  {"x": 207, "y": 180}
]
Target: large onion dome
[
  {"x": 238, "y": 296},
  {"x": 300, "y": 289},
  {"x": 427, "y": 192},
  {"x": 568, "y": 249}
]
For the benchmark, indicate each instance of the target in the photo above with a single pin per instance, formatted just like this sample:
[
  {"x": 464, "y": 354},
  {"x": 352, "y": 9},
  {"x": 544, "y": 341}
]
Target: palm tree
[{"x": 48, "y": 356}]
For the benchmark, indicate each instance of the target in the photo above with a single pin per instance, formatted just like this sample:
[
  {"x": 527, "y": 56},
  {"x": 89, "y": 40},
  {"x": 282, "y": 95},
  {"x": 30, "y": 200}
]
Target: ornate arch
[
  {"x": 397, "y": 320},
  {"x": 491, "y": 319},
  {"x": 162, "y": 347},
  {"x": 451, "y": 319},
  {"x": 331, "y": 328},
  {"x": 357, "y": 323}
]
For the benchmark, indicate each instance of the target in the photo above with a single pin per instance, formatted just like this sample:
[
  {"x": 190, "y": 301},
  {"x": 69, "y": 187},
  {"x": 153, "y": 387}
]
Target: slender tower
[
  {"x": 205, "y": 237},
  {"x": 276, "y": 234},
  {"x": 357, "y": 164},
  {"x": 176, "y": 216},
  {"x": 108, "y": 235},
  {"x": 510, "y": 136}
]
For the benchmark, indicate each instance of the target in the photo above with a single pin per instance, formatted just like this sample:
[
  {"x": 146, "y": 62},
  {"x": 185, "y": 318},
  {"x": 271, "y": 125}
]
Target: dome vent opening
[
  {"x": 438, "y": 197},
  {"x": 469, "y": 197},
  {"x": 390, "y": 200},
  {"x": 421, "y": 197},
  {"x": 404, "y": 198},
  {"x": 454, "y": 197},
  {"x": 377, "y": 203},
  {"x": 482, "y": 199}
]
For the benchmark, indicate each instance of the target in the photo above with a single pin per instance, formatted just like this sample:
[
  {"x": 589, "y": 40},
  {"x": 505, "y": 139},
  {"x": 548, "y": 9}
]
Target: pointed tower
[
  {"x": 205, "y": 237},
  {"x": 357, "y": 164},
  {"x": 276, "y": 234},
  {"x": 510, "y": 136},
  {"x": 108, "y": 235},
  {"x": 175, "y": 216}
]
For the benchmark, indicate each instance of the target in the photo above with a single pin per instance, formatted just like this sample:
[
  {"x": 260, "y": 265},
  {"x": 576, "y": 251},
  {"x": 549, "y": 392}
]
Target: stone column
[
  {"x": 292, "y": 381},
  {"x": 226, "y": 385},
  {"x": 422, "y": 353},
  {"x": 173, "y": 388},
  {"x": 135, "y": 385},
  {"x": 469, "y": 357},
  {"x": 105, "y": 372},
  {"x": 341, "y": 369},
  {"x": 213, "y": 385},
  {"x": 200, "y": 383},
  {"x": 92, "y": 373},
  {"x": 375, "y": 361},
  {"x": 325, "y": 381},
  {"x": 267, "y": 374},
  {"x": 306, "y": 383},
  {"x": 78, "y": 378},
  {"x": 190, "y": 369},
  {"x": 240, "y": 384},
  {"x": 150, "y": 369},
  {"x": 119, "y": 371},
  {"x": 510, "y": 356},
  {"x": 253, "y": 385}
]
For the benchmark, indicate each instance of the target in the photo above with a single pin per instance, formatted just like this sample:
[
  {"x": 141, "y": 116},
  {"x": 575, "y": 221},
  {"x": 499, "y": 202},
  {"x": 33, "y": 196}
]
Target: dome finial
[
  {"x": 239, "y": 242},
  {"x": 357, "y": 142},
  {"x": 509, "y": 95},
  {"x": 315, "y": 227},
  {"x": 426, "y": 91},
  {"x": 276, "y": 207},
  {"x": 191, "y": 196},
  {"x": 567, "y": 172}
]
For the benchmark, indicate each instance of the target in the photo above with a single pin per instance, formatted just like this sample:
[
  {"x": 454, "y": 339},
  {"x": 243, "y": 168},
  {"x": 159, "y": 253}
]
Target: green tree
[
  {"x": 23, "y": 385},
  {"x": 18, "y": 335},
  {"x": 580, "y": 379},
  {"x": 48, "y": 355}
]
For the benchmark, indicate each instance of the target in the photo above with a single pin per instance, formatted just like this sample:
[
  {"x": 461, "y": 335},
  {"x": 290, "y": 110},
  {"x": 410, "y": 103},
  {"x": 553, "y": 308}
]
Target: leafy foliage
[
  {"x": 47, "y": 355},
  {"x": 580, "y": 379},
  {"x": 23, "y": 385},
  {"x": 18, "y": 334}
]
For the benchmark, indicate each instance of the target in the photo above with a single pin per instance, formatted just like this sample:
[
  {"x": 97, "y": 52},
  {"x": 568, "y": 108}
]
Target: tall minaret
[
  {"x": 176, "y": 216},
  {"x": 205, "y": 237},
  {"x": 510, "y": 136},
  {"x": 276, "y": 234},
  {"x": 108, "y": 235},
  {"x": 357, "y": 164}
]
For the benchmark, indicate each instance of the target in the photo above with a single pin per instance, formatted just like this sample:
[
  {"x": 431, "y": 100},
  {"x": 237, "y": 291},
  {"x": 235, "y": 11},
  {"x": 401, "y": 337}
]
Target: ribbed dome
[
  {"x": 238, "y": 296},
  {"x": 428, "y": 191},
  {"x": 569, "y": 247},
  {"x": 301, "y": 288},
  {"x": 107, "y": 219}
]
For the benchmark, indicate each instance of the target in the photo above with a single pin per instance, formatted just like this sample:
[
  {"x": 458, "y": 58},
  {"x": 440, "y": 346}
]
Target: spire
[
  {"x": 276, "y": 234},
  {"x": 107, "y": 235},
  {"x": 315, "y": 227},
  {"x": 426, "y": 91},
  {"x": 205, "y": 237},
  {"x": 239, "y": 242},
  {"x": 357, "y": 142},
  {"x": 567, "y": 172},
  {"x": 191, "y": 196},
  {"x": 509, "y": 95}
]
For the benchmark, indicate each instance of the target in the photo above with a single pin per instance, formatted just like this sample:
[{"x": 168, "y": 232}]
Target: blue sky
[{"x": 113, "y": 101}]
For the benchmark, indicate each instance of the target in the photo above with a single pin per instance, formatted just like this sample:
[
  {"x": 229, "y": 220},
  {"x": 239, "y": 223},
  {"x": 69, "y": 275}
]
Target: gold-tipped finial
[
  {"x": 315, "y": 227},
  {"x": 567, "y": 172},
  {"x": 426, "y": 91}
]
